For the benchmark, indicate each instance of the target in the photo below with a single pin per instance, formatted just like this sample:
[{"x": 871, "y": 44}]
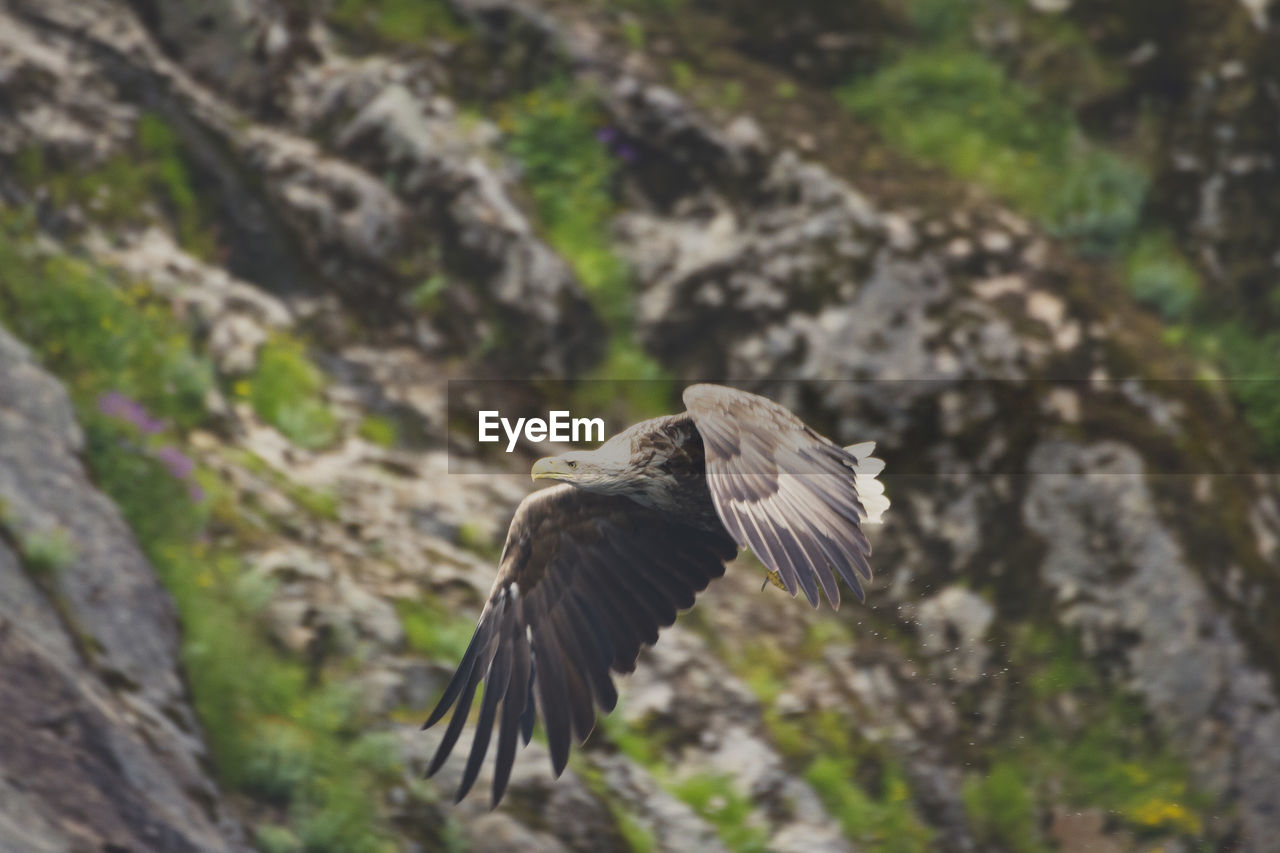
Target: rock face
[
  {"x": 99, "y": 749},
  {"x": 362, "y": 200},
  {"x": 1183, "y": 656}
]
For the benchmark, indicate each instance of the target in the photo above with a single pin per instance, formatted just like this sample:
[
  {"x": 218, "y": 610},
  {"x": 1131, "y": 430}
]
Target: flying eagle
[{"x": 592, "y": 569}]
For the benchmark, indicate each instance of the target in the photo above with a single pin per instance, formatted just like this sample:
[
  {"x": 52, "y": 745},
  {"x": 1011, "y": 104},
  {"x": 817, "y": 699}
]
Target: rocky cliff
[{"x": 245, "y": 243}]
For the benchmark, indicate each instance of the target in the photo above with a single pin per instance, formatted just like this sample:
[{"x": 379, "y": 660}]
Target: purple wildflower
[
  {"x": 117, "y": 405},
  {"x": 196, "y": 493},
  {"x": 616, "y": 142},
  {"x": 179, "y": 464}
]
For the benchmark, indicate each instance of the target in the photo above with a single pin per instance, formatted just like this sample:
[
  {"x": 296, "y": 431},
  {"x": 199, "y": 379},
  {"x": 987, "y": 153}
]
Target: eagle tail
[{"x": 870, "y": 490}]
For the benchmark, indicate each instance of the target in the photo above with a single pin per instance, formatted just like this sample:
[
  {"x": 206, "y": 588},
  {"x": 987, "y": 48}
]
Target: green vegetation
[
  {"x": 882, "y": 818},
  {"x": 1250, "y": 361},
  {"x": 1160, "y": 277},
  {"x": 426, "y": 296},
  {"x": 953, "y": 106},
  {"x": 717, "y": 800},
  {"x": 1105, "y": 759},
  {"x": 860, "y": 782},
  {"x": 476, "y": 537},
  {"x": 641, "y": 747},
  {"x": 1002, "y": 808},
  {"x": 379, "y": 430},
  {"x": 104, "y": 337},
  {"x": 639, "y": 839},
  {"x": 124, "y": 188},
  {"x": 406, "y": 22},
  {"x": 270, "y": 728},
  {"x": 286, "y": 392},
  {"x": 714, "y": 797},
  {"x": 432, "y": 631},
  {"x": 47, "y": 551},
  {"x": 568, "y": 171},
  {"x": 43, "y": 552},
  {"x": 556, "y": 134},
  {"x": 319, "y": 503},
  {"x": 945, "y": 101},
  {"x": 272, "y": 838}
]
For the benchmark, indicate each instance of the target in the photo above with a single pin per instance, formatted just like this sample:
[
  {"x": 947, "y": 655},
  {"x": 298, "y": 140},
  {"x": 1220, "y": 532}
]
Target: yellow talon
[{"x": 772, "y": 577}]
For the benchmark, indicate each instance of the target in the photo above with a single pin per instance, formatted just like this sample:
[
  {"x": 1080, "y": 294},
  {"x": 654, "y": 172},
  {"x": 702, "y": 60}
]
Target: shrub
[
  {"x": 1250, "y": 360},
  {"x": 1159, "y": 276},
  {"x": 102, "y": 336},
  {"x": 956, "y": 108},
  {"x": 285, "y": 391},
  {"x": 1002, "y": 808},
  {"x": 130, "y": 186},
  {"x": 48, "y": 551}
]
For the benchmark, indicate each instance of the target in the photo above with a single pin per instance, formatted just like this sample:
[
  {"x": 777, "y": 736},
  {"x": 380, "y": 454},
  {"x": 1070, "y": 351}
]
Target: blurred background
[{"x": 1031, "y": 247}]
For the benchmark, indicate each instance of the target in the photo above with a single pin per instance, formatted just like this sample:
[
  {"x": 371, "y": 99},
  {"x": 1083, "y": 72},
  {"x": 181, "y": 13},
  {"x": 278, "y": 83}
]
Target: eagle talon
[{"x": 772, "y": 577}]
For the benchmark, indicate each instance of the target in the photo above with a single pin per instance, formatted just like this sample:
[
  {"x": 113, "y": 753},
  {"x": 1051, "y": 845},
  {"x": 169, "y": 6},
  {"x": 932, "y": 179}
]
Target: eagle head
[{"x": 606, "y": 469}]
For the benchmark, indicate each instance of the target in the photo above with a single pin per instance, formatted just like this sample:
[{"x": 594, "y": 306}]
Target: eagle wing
[
  {"x": 795, "y": 498},
  {"x": 585, "y": 580}
]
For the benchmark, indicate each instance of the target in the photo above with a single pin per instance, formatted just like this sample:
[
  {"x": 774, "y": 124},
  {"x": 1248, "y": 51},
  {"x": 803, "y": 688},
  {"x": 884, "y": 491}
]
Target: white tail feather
[{"x": 870, "y": 490}]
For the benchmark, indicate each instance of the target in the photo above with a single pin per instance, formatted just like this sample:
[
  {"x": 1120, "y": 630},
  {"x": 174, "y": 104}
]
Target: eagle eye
[{"x": 573, "y": 463}]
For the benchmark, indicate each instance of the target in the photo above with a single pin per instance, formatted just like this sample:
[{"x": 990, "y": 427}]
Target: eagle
[{"x": 594, "y": 567}]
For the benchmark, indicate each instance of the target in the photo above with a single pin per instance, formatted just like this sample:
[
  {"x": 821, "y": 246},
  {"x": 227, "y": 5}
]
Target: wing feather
[
  {"x": 796, "y": 499},
  {"x": 585, "y": 580}
]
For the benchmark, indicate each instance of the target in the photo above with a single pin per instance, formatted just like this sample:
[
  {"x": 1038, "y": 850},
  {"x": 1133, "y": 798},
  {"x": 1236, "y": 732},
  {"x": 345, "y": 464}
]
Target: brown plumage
[{"x": 591, "y": 570}]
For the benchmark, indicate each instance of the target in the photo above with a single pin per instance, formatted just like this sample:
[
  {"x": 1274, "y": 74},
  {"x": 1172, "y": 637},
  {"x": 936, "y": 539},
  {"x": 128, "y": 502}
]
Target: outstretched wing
[
  {"x": 585, "y": 580},
  {"x": 795, "y": 498}
]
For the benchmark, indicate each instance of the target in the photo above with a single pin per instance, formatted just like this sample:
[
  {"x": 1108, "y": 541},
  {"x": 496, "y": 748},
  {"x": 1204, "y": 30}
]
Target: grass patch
[
  {"x": 1250, "y": 361},
  {"x": 569, "y": 173},
  {"x": 286, "y": 392},
  {"x": 954, "y": 107},
  {"x": 1106, "y": 757},
  {"x": 130, "y": 187},
  {"x": 380, "y": 431},
  {"x": 641, "y": 747},
  {"x": 322, "y": 504},
  {"x": 432, "y": 631},
  {"x": 476, "y": 537},
  {"x": 99, "y": 335},
  {"x": 720, "y": 803},
  {"x": 881, "y": 818},
  {"x": 569, "y": 160},
  {"x": 47, "y": 551},
  {"x": 860, "y": 783},
  {"x": 638, "y": 838},
  {"x": 1002, "y": 808},
  {"x": 426, "y": 297},
  {"x": 271, "y": 730},
  {"x": 397, "y": 21}
]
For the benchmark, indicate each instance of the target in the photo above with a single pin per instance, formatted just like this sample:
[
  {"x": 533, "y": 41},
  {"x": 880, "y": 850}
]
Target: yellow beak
[{"x": 546, "y": 468}]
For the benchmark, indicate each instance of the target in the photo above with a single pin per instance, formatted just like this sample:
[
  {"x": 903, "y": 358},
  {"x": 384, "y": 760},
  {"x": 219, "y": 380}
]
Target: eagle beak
[{"x": 546, "y": 468}]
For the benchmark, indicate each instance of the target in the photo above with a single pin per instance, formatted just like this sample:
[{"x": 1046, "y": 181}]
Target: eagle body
[
  {"x": 594, "y": 567},
  {"x": 669, "y": 470}
]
